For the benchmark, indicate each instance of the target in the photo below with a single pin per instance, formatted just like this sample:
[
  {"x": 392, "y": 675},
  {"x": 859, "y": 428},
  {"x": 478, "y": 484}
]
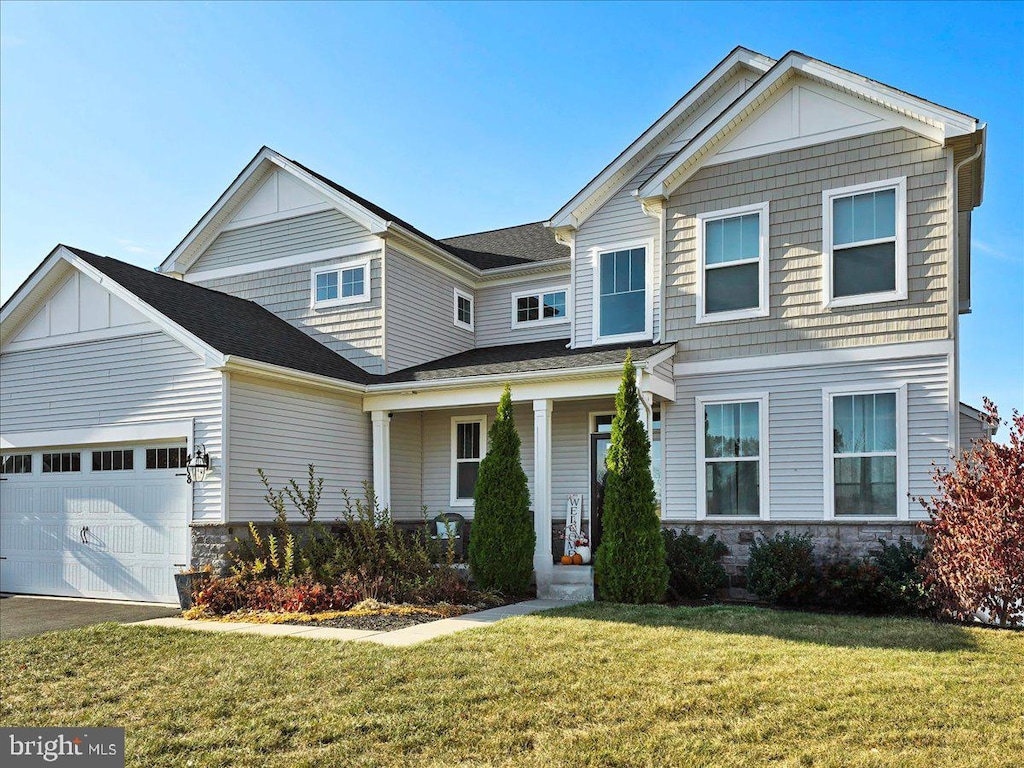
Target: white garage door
[{"x": 105, "y": 521}]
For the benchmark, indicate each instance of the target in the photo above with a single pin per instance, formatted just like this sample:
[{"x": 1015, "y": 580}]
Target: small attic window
[{"x": 340, "y": 284}]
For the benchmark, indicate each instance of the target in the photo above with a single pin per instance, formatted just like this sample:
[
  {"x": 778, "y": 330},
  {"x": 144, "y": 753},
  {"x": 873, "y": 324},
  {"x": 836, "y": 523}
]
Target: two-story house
[{"x": 786, "y": 252}]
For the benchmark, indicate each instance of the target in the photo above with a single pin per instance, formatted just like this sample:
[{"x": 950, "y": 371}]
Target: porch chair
[{"x": 450, "y": 521}]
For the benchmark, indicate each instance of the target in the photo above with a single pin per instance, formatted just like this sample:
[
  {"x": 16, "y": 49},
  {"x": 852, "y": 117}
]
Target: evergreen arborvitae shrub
[
  {"x": 630, "y": 565},
  {"x": 502, "y": 538}
]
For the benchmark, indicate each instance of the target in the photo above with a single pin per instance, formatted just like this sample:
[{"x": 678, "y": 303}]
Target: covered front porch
[{"x": 429, "y": 435}]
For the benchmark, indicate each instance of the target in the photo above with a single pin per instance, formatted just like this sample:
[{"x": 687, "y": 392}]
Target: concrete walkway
[{"x": 417, "y": 633}]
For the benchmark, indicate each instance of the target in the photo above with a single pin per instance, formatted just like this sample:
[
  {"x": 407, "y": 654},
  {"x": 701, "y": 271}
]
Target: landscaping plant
[
  {"x": 694, "y": 570},
  {"x": 781, "y": 569},
  {"x": 502, "y": 545},
  {"x": 976, "y": 532},
  {"x": 630, "y": 564}
]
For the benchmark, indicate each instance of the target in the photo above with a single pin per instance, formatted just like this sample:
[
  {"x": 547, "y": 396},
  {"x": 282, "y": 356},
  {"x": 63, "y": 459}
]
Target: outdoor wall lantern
[{"x": 197, "y": 466}]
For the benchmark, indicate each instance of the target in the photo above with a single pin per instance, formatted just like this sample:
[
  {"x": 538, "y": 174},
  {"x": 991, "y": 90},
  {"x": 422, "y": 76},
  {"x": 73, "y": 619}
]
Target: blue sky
[{"x": 120, "y": 124}]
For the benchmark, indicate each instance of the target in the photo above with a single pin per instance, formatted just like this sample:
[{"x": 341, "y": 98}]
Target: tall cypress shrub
[
  {"x": 630, "y": 566},
  {"x": 502, "y": 539}
]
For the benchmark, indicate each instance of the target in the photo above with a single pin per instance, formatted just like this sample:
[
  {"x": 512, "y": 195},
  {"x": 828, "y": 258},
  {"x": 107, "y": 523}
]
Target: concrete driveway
[{"x": 21, "y": 616}]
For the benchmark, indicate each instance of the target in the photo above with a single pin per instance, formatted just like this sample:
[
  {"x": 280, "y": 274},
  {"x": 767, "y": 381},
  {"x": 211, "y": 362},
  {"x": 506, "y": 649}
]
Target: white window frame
[
  {"x": 763, "y": 272},
  {"x": 828, "y": 394},
  {"x": 361, "y": 298},
  {"x": 649, "y": 278},
  {"x": 456, "y": 295},
  {"x": 456, "y": 420},
  {"x": 828, "y": 196},
  {"x": 762, "y": 398},
  {"x": 541, "y": 320}
]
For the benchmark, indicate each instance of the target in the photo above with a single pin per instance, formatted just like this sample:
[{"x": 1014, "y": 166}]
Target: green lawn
[{"x": 594, "y": 685}]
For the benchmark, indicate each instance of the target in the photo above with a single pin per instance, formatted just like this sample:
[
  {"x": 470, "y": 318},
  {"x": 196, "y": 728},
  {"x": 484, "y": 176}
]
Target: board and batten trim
[
  {"x": 818, "y": 357},
  {"x": 764, "y": 442},
  {"x": 828, "y": 393},
  {"x": 248, "y": 268}
]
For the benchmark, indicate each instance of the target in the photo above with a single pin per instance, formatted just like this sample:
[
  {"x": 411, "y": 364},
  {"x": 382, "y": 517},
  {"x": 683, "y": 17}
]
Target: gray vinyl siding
[
  {"x": 128, "y": 380},
  {"x": 421, "y": 313},
  {"x": 406, "y": 464},
  {"x": 353, "y": 331},
  {"x": 971, "y": 429},
  {"x": 494, "y": 313},
  {"x": 618, "y": 222},
  {"x": 570, "y": 455},
  {"x": 792, "y": 182},
  {"x": 282, "y": 429},
  {"x": 796, "y": 441},
  {"x": 288, "y": 237}
]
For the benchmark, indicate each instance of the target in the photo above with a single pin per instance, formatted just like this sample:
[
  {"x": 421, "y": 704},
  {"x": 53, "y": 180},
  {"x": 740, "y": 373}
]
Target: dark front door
[{"x": 598, "y": 451}]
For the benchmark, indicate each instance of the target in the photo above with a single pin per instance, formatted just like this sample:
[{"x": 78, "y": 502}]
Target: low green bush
[
  {"x": 902, "y": 588},
  {"x": 694, "y": 570},
  {"x": 850, "y": 585},
  {"x": 781, "y": 569}
]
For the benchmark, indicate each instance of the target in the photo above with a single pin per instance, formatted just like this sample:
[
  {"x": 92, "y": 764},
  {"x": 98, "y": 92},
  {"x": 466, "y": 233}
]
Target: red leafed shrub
[
  {"x": 301, "y": 595},
  {"x": 223, "y": 595},
  {"x": 976, "y": 560}
]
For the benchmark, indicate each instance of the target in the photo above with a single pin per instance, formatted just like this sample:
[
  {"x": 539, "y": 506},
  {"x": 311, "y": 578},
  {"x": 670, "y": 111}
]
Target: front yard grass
[{"x": 593, "y": 685}]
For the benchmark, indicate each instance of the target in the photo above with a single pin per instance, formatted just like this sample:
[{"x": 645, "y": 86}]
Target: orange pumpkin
[
  {"x": 566, "y": 560},
  {"x": 577, "y": 559}
]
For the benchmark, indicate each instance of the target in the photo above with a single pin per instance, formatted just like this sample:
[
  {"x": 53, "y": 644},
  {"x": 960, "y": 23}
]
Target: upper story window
[
  {"x": 623, "y": 295},
  {"x": 463, "y": 310},
  {"x": 546, "y": 307},
  {"x": 732, "y": 248},
  {"x": 16, "y": 464},
  {"x": 864, "y": 458},
  {"x": 864, "y": 243},
  {"x": 341, "y": 284}
]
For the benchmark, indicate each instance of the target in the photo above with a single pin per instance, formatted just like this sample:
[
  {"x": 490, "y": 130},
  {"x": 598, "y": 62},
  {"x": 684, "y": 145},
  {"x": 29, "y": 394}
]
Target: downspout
[{"x": 954, "y": 304}]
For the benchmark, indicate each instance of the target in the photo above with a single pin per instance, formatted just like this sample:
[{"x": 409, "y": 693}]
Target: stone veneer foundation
[{"x": 831, "y": 540}]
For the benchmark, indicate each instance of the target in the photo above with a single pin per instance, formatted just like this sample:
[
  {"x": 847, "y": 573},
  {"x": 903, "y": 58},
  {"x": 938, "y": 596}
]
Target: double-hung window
[
  {"x": 732, "y": 452},
  {"x": 469, "y": 444},
  {"x": 864, "y": 460},
  {"x": 623, "y": 295},
  {"x": 463, "y": 308},
  {"x": 732, "y": 249},
  {"x": 341, "y": 284},
  {"x": 544, "y": 307},
  {"x": 864, "y": 242}
]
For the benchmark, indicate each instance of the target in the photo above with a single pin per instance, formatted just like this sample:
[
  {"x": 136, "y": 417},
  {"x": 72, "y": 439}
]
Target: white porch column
[
  {"x": 542, "y": 562},
  {"x": 382, "y": 458}
]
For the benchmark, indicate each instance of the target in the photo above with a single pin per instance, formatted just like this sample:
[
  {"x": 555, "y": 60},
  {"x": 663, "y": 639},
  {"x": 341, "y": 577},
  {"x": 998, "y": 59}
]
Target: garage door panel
[{"x": 137, "y": 533}]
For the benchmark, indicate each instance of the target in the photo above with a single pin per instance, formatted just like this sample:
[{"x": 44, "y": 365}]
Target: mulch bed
[{"x": 377, "y": 622}]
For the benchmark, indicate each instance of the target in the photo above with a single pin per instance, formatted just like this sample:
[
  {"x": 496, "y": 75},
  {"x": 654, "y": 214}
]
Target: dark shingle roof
[
  {"x": 231, "y": 325},
  {"x": 519, "y": 358},
  {"x": 508, "y": 246}
]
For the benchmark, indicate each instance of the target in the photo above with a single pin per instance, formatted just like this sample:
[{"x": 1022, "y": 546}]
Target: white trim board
[
  {"x": 328, "y": 254},
  {"x": 106, "y": 433},
  {"x": 823, "y": 357}
]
